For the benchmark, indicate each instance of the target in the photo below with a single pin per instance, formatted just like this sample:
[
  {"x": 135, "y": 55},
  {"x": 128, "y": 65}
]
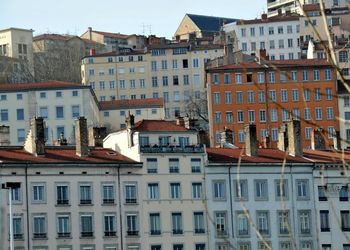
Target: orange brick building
[{"x": 268, "y": 93}]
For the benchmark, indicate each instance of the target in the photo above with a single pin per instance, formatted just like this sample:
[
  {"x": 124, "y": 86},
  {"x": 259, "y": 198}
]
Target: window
[
  {"x": 324, "y": 218},
  {"x": 280, "y": 43},
  {"x": 215, "y": 78},
  {"x": 251, "y": 115},
  {"x": 344, "y": 193},
  {"x": 284, "y": 95},
  {"x": 263, "y": 222},
  {"x": 63, "y": 225},
  {"x": 343, "y": 56},
  {"x": 345, "y": 220},
  {"x": 130, "y": 193},
  {"x": 274, "y": 134},
  {"x": 244, "y": 46},
  {"x": 178, "y": 247},
  {"x": 243, "y": 32},
  {"x": 318, "y": 114},
  {"x": 238, "y": 78},
  {"x": 272, "y": 95},
  {"x": 185, "y": 63},
  {"x": 250, "y": 96},
  {"x": 200, "y": 246},
  {"x": 154, "y": 221},
  {"x": 156, "y": 247},
  {"x": 42, "y": 95},
  {"x": 174, "y": 64},
  {"x": 176, "y": 219},
  {"x": 274, "y": 115},
  {"x": 59, "y": 112},
  {"x": 272, "y": 44},
  {"x": 281, "y": 188},
  {"x": 304, "y": 222},
  {"x": 152, "y": 164},
  {"x": 302, "y": 189},
  {"x": 227, "y": 79},
  {"x": 195, "y": 63},
  {"x": 242, "y": 224},
  {"x": 85, "y": 194},
  {"x": 62, "y": 195},
  {"x": 39, "y": 227},
  {"x": 198, "y": 218},
  {"x": 261, "y": 189},
  {"x": 326, "y": 246},
  {"x": 283, "y": 222},
  {"x": 328, "y": 74},
  {"x": 21, "y": 135},
  {"x": 173, "y": 165},
  {"x": 295, "y": 95},
  {"x": 75, "y": 111},
  {"x": 175, "y": 190},
  {"x": 305, "y": 75},
  {"x": 285, "y": 115},
  {"x": 4, "y": 115},
  {"x": 220, "y": 223},
  {"x": 216, "y": 98},
  {"x": 316, "y": 75},
  {"x": 240, "y": 116},
  {"x": 86, "y": 225},
  {"x": 239, "y": 97},
  {"x": 272, "y": 77},
  {"x": 102, "y": 84},
  {"x": 195, "y": 165},
  {"x": 109, "y": 223},
  {"x": 317, "y": 93},
  {"x": 153, "y": 191},
  {"x": 18, "y": 96},
  {"x": 330, "y": 115},
  {"x": 17, "y": 227},
  {"x": 38, "y": 192},
  {"x": 228, "y": 98},
  {"x": 219, "y": 191},
  {"x": 107, "y": 194},
  {"x": 132, "y": 84},
  {"x": 132, "y": 224},
  {"x": 175, "y": 80},
  {"x": 229, "y": 117},
  {"x": 196, "y": 190}
]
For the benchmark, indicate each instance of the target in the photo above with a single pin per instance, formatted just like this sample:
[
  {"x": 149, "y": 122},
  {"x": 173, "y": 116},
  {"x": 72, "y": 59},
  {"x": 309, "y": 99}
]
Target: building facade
[
  {"x": 172, "y": 190},
  {"x": 270, "y": 93},
  {"x": 172, "y": 71}
]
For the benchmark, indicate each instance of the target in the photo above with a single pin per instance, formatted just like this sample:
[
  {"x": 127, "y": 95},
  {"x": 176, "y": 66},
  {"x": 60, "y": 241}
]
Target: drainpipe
[
  {"x": 231, "y": 204},
  {"x": 120, "y": 211}
]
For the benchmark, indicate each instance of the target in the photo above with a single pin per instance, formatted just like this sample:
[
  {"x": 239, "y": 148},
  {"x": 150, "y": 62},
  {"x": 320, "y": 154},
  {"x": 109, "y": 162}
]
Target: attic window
[
  {"x": 249, "y": 77},
  {"x": 111, "y": 153}
]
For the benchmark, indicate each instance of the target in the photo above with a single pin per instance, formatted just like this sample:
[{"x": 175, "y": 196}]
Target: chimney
[
  {"x": 266, "y": 142},
  {"x": 81, "y": 137},
  {"x": 35, "y": 141},
  {"x": 337, "y": 140},
  {"x": 92, "y": 52},
  {"x": 90, "y": 33},
  {"x": 130, "y": 121},
  {"x": 250, "y": 140},
  {"x": 180, "y": 121},
  {"x": 96, "y": 136},
  {"x": 264, "y": 16},
  {"x": 318, "y": 139},
  {"x": 282, "y": 143},
  {"x": 263, "y": 54},
  {"x": 228, "y": 50},
  {"x": 4, "y": 135},
  {"x": 294, "y": 138},
  {"x": 226, "y": 137},
  {"x": 279, "y": 12}
]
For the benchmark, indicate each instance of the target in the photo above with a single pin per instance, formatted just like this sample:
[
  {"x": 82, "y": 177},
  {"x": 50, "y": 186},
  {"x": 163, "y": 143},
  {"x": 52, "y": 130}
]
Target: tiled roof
[
  {"x": 210, "y": 23},
  {"x": 112, "y": 35},
  {"x": 311, "y": 7},
  {"x": 268, "y": 20},
  {"x": 118, "y": 53},
  {"x": 158, "y": 126},
  {"x": 224, "y": 155},
  {"x": 129, "y": 104},
  {"x": 276, "y": 63},
  {"x": 14, "y": 87},
  {"x": 52, "y": 37},
  {"x": 61, "y": 155}
]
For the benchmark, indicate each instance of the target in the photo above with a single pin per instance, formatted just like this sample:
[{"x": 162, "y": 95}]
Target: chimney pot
[
  {"x": 294, "y": 138},
  {"x": 35, "y": 141},
  {"x": 81, "y": 137},
  {"x": 250, "y": 140},
  {"x": 4, "y": 135}
]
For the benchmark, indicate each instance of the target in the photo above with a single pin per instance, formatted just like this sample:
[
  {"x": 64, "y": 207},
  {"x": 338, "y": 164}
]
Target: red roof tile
[
  {"x": 159, "y": 125},
  {"x": 311, "y": 7},
  {"x": 62, "y": 155},
  {"x": 8, "y": 87},
  {"x": 136, "y": 103},
  {"x": 112, "y": 35}
]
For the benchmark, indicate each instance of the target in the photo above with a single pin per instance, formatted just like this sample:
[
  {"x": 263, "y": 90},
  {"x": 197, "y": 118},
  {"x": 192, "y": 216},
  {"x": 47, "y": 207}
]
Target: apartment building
[
  {"x": 58, "y": 102},
  {"x": 114, "y": 113},
  {"x": 270, "y": 199},
  {"x": 269, "y": 93},
  {"x": 344, "y": 113},
  {"x": 172, "y": 189},
  {"x": 278, "y": 35},
  {"x": 174, "y": 72},
  {"x": 200, "y": 26},
  {"x": 68, "y": 197},
  {"x": 17, "y": 43}
]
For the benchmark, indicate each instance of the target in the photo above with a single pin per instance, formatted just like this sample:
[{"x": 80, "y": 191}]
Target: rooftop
[
  {"x": 272, "y": 19},
  {"x": 111, "y": 35},
  {"x": 210, "y": 23},
  {"x": 129, "y": 104},
  {"x": 61, "y": 154},
  {"x": 16, "y": 87},
  {"x": 225, "y": 155}
]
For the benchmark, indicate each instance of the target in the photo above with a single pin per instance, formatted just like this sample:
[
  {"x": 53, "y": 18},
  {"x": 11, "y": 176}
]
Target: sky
[{"x": 159, "y": 17}]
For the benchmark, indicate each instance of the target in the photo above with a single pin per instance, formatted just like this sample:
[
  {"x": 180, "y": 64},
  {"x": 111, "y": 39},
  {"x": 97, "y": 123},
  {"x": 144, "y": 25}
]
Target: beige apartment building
[
  {"x": 17, "y": 43},
  {"x": 172, "y": 71}
]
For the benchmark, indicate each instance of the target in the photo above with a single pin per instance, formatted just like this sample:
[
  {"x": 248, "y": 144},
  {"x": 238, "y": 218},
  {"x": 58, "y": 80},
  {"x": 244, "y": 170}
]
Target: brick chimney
[
  {"x": 318, "y": 139},
  {"x": 4, "y": 135},
  {"x": 264, "y": 16},
  {"x": 226, "y": 137},
  {"x": 337, "y": 140},
  {"x": 130, "y": 121},
  {"x": 81, "y": 137},
  {"x": 282, "y": 143},
  {"x": 294, "y": 138},
  {"x": 180, "y": 121},
  {"x": 35, "y": 141},
  {"x": 250, "y": 140},
  {"x": 96, "y": 136},
  {"x": 279, "y": 11},
  {"x": 90, "y": 33}
]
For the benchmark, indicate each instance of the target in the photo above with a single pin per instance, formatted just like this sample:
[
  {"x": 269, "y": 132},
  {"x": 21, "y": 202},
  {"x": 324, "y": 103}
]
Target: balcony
[
  {"x": 155, "y": 149},
  {"x": 177, "y": 231},
  {"x": 132, "y": 233},
  {"x": 221, "y": 232},
  {"x": 199, "y": 230},
  {"x": 108, "y": 201},
  {"x": 85, "y": 202},
  {"x": 110, "y": 234},
  {"x": 63, "y": 235},
  {"x": 17, "y": 236},
  {"x": 155, "y": 232},
  {"x": 39, "y": 235},
  {"x": 130, "y": 200},
  {"x": 345, "y": 229},
  {"x": 87, "y": 234},
  {"x": 63, "y": 202}
]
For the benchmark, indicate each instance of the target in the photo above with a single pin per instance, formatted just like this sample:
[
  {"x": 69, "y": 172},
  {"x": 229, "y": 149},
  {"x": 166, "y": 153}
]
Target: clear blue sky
[{"x": 74, "y": 16}]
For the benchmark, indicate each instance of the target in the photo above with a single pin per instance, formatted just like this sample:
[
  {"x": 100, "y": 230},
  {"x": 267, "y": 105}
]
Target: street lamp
[{"x": 10, "y": 186}]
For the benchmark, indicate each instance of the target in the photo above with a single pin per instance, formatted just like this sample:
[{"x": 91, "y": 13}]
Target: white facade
[
  {"x": 278, "y": 35},
  {"x": 173, "y": 189},
  {"x": 58, "y": 104},
  {"x": 344, "y": 118}
]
